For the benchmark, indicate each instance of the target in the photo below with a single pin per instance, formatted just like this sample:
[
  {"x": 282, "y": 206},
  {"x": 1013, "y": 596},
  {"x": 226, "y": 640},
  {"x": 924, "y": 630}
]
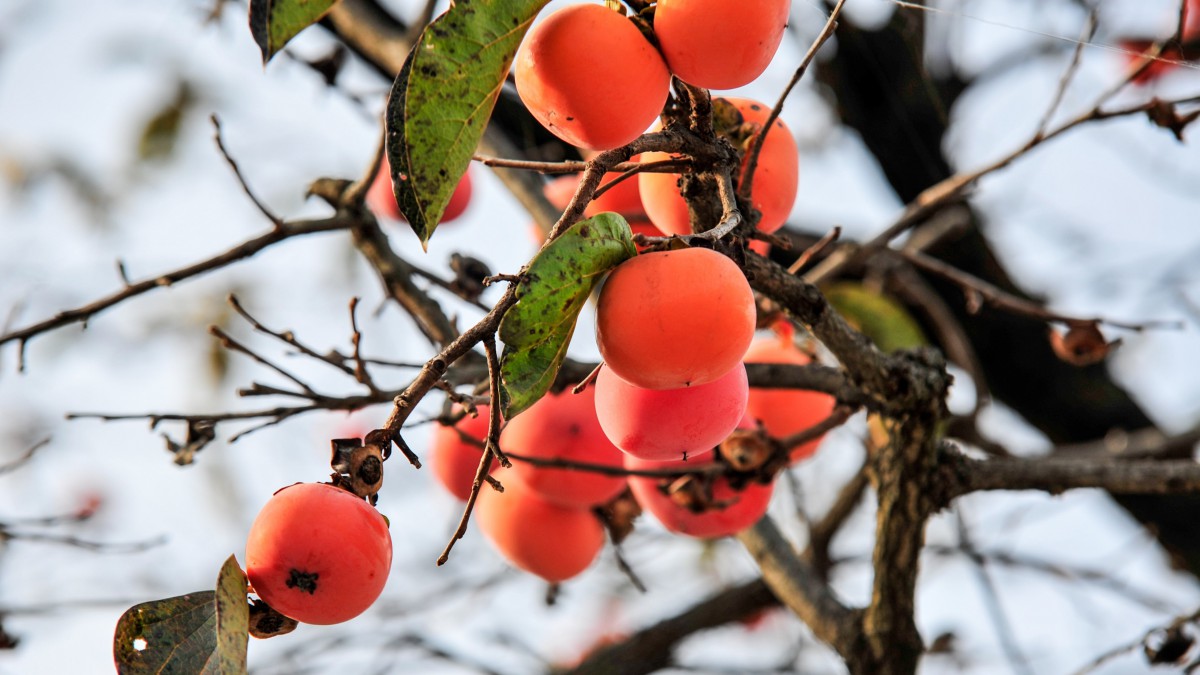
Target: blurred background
[{"x": 107, "y": 159}]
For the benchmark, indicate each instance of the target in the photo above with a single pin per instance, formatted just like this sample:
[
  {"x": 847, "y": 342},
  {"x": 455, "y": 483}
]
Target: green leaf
[
  {"x": 878, "y": 316},
  {"x": 233, "y": 618},
  {"x": 442, "y": 99},
  {"x": 537, "y": 330},
  {"x": 274, "y": 22},
  {"x": 173, "y": 635},
  {"x": 205, "y": 632}
]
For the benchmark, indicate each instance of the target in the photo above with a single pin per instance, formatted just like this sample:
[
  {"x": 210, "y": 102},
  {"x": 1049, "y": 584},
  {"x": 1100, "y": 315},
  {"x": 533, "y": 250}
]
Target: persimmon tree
[{"x": 870, "y": 334}]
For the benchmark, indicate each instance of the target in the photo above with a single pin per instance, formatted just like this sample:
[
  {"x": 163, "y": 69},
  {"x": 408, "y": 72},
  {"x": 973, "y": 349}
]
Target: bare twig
[
  {"x": 980, "y": 292},
  {"x": 815, "y": 250},
  {"x": 672, "y": 165},
  {"x": 1000, "y": 621},
  {"x": 954, "y": 187},
  {"x": 234, "y": 346},
  {"x": 1115, "y": 652},
  {"x": 1089, "y": 31},
  {"x": 747, "y": 178},
  {"x": 24, "y": 458},
  {"x": 242, "y": 251},
  {"x": 289, "y": 338},
  {"x": 276, "y": 220}
]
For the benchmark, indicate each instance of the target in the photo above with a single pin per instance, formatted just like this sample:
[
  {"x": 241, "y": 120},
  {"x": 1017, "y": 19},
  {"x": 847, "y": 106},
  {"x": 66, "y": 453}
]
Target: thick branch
[
  {"x": 1055, "y": 474},
  {"x": 799, "y": 587}
]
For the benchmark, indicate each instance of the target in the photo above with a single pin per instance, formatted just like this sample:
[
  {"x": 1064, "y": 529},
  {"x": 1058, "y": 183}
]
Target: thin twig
[
  {"x": 234, "y": 346},
  {"x": 242, "y": 251},
  {"x": 1089, "y": 31},
  {"x": 1000, "y": 621},
  {"x": 25, "y": 457},
  {"x": 361, "y": 374},
  {"x": 574, "y": 166},
  {"x": 276, "y": 220},
  {"x": 981, "y": 292},
  {"x": 815, "y": 250},
  {"x": 747, "y": 179},
  {"x": 289, "y": 338}
]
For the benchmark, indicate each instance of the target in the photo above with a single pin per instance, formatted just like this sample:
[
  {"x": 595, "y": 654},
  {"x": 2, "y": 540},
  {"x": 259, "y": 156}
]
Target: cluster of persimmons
[{"x": 674, "y": 327}]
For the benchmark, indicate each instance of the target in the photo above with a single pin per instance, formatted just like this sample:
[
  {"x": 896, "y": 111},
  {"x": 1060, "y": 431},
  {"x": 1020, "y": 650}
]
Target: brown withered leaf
[{"x": 1081, "y": 345}]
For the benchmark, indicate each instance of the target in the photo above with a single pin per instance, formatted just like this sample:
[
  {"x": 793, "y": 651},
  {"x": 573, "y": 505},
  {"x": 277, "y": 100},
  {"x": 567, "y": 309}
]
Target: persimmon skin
[
  {"x": 784, "y": 412},
  {"x": 666, "y": 424},
  {"x": 552, "y": 541},
  {"x": 742, "y": 508},
  {"x": 719, "y": 44},
  {"x": 590, "y": 77},
  {"x": 564, "y": 426},
  {"x": 776, "y": 178},
  {"x": 331, "y": 546},
  {"x": 382, "y": 201},
  {"x": 622, "y": 198},
  {"x": 674, "y": 319},
  {"x": 454, "y": 461}
]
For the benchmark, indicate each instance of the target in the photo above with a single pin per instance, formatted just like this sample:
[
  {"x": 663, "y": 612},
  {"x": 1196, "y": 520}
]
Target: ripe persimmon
[
  {"x": 772, "y": 193},
  {"x": 382, "y": 201},
  {"x": 564, "y": 427},
  {"x": 674, "y": 319},
  {"x": 455, "y": 460},
  {"x": 663, "y": 424},
  {"x": 318, "y": 554},
  {"x": 552, "y": 541},
  {"x": 590, "y": 77},
  {"x": 784, "y": 412},
  {"x": 694, "y": 506},
  {"x": 622, "y": 198},
  {"x": 719, "y": 44}
]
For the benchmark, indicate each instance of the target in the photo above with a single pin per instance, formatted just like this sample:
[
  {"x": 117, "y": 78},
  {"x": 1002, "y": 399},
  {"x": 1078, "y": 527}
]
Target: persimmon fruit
[
  {"x": 664, "y": 424},
  {"x": 772, "y": 193},
  {"x": 590, "y": 77},
  {"x": 552, "y": 541},
  {"x": 727, "y": 511},
  {"x": 784, "y": 412},
  {"x": 564, "y": 426},
  {"x": 672, "y": 319},
  {"x": 382, "y": 201},
  {"x": 455, "y": 460},
  {"x": 719, "y": 44},
  {"x": 622, "y": 198},
  {"x": 318, "y": 554}
]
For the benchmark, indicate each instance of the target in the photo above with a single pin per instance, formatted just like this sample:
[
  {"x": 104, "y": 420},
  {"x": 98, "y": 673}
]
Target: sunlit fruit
[
  {"x": 552, "y": 541},
  {"x": 622, "y": 197},
  {"x": 663, "y": 424},
  {"x": 318, "y": 554},
  {"x": 773, "y": 191},
  {"x": 382, "y": 201},
  {"x": 564, "y": 427},
  {"x": 784, "y": 412},
  {"x": 590, "y": 77},
  {"x": 694, "y": 505},
  {"x": 455, "y": 460},
  {"x": 719, "y": 44},
  {"x": 674, "y": 319}
]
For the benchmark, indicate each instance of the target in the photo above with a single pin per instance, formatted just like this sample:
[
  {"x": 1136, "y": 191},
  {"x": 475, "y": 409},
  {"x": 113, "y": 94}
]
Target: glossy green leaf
[
  {"x": 442, "y": 99},
  {"x": 537, "y": 330},
  {"x": 274, "y": 22},
  {"x": 233, "y": 619},
  {"x": 176, "y": 635},
  {"x": 878, "y": 316}
]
